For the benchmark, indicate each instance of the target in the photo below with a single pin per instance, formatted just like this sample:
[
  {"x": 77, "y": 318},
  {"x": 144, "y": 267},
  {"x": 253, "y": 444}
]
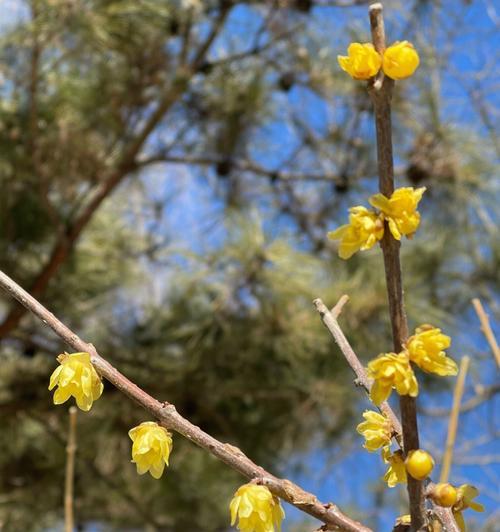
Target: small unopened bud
[
  {"x": 443, "y": 494},
  {"x": 419, "y": 464}
]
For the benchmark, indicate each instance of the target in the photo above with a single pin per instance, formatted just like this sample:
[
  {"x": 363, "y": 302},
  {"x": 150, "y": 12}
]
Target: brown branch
[
  {"x": 242, "y": 165},
  {"x": 69, "y": 518},
  {"x": 381, "y": 93},
  {"x": 168, "y": 416},
  {"x": 486, "y": 328},
  {"x": 337, "y": 308},
  {"x": 445, "y": 515},
  {"x": 453, "y": 423},
  {"x": 330, "y": 322}
]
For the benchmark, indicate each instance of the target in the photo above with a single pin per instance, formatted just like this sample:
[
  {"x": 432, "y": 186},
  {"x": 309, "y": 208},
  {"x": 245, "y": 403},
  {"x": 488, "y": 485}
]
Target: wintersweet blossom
[
  {"x": 465, "y": 495},
  {"x": 426, "y": 348},
  {"x": 400, "y": 210},
  {"x": 362, "y": 61},
  {"x": 419, "y": 464},
  {"x": 396, "y": 473},
  {"x": 77, "y": 377},
  {"x": 400, "y": 60},
  {"x": 256, "y": 509},
  {"x": 444, "y": 494},
  {"x": 364, "y": 230},
  {"x": 391, "y": 370},
  {"x": 151, "y": 448},
  {"x": 376, "y": 430}
]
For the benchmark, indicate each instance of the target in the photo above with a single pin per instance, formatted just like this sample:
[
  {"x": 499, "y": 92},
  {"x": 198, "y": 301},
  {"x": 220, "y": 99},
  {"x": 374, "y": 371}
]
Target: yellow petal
[
  {"x": 61, "y": 395},
  {"x": 54, "y": 377},
  {"x": 379, "y": 392},
  {"x": 84, "y": 402}
]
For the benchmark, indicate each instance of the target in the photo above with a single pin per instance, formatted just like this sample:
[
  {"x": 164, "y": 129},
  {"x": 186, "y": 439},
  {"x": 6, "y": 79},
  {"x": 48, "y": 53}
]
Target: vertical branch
[
  {"x": 381, "y": 92},
  {"x": 453, "y": 423},
  {"x": 486, "y": 328},
  {"x": 69, "y": 520}
]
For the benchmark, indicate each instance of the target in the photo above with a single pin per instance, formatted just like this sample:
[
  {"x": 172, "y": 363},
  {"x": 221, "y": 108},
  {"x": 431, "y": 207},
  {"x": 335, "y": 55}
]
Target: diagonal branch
[
  {"x": 168, "y": 416},
  {"x": 332, "y": 325}
]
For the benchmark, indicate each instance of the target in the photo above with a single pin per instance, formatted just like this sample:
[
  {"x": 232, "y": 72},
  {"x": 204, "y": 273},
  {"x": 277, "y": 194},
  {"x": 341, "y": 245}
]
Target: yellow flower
[
  {"x": 376, "y": 430},
  {"x": 362, "y": 61},
  {"x": 391, "y": 371},
  {"x": 404, "y": 520},
  {"x": 256, "y": 509},
  {"x": 151, "y": 448},
  {"x": 396, "y": 474},
  {"x": 363, "y": 231},
  {"x": 444, "y": 494},
  {"x": 77, "y": 377},
  {"x": 419, "y": 464},
  {"x": 426, "y": 348},
  {"x": 400, "y": 60},
  {"x": 465, "y": 495},
  {"x": 400, "y": 210}
]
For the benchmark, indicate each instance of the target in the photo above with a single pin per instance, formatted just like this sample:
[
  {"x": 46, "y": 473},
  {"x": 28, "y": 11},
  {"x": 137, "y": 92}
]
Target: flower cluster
[
  {"x": 256, "y": 509},
  {"x": 394, "y": 371},
  {"x": 366, "y": 227},
  {"x": 399, "y": 61}
]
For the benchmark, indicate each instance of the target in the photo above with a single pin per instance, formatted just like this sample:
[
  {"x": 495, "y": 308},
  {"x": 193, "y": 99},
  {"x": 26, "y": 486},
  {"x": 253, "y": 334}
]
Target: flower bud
[
  {"x": 419, "y": 464},
  {"x": 444, "y": 494},
  {"x": 400, "y": 60}
]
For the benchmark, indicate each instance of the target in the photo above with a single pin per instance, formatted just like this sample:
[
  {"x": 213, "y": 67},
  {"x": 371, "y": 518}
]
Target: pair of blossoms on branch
[
  {"x": 366, "y": 227},
  {"x": 399, "y": 61},
  {"x": 256, "y": 508}
]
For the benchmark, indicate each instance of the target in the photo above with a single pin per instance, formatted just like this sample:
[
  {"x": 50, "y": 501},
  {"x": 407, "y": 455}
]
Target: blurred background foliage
[{"x": 169, "y": 170}]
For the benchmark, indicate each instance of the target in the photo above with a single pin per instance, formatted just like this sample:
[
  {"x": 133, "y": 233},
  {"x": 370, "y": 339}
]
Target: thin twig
[
  {"x": 381, "y": 93},
  {"x": 330, "y": 322},
  {"x": 69, "y": 520},
  {"x": 168, "y": 416},
  {"x": 453, "y": 423},
  {"x": 486, "y": 328},
  {"x": 337, "y": 309}
]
